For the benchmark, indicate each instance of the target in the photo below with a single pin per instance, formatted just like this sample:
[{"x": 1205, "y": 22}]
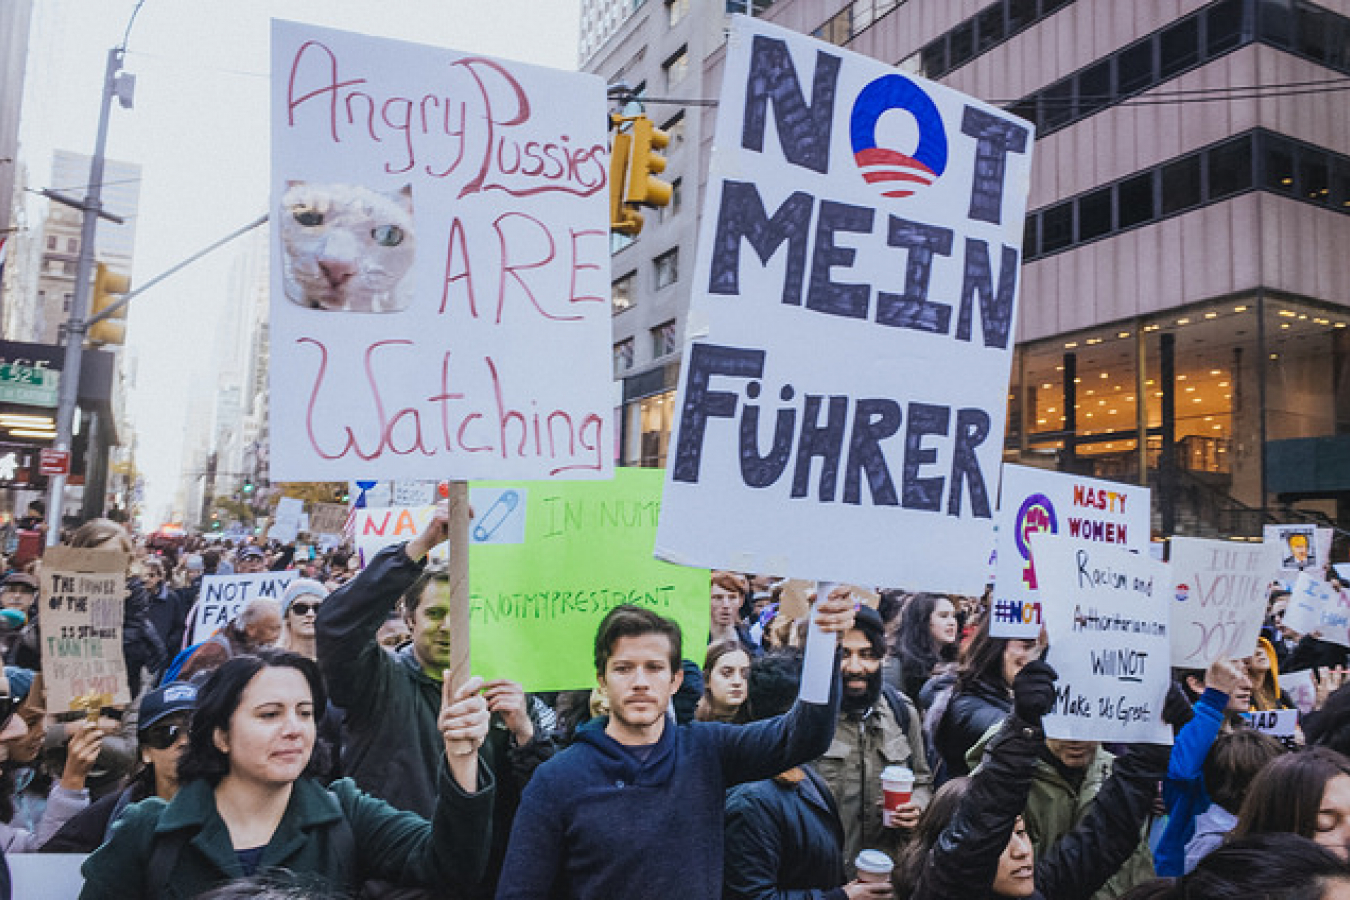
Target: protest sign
[
  {"x": 1106, "y": 615},
  {"x": 222, "y": 596},
  {"x": 1087, "y": 510},
  {"x": 286, "y": 525},
  {"x": 1301, "y": 688},
  {"x": 850, "y": 324},
  {"x": 1219, "y": 599},
  {"x": 413, "y": 493},
  {"x": 327, "y": 518},
  {"x": 1275, "y": 722},
  {"x": 1299, "y": 548},
  {"x": 81, "y": 596},
  {"x": 1315, "y": 607},
  {"x": 377, "y": 527},
  {"x": 440, "y": 265}
]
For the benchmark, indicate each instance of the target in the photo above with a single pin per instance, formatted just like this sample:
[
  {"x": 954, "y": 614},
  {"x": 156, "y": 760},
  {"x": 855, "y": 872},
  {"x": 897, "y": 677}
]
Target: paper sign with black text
[
  {"x": 1317, "y": 607},
  {"x": 440, "y": 297},
  {"x": 222, "y": 596},
  {"x": 844, "y": 383},
  {"x": 1090, "y": 511},
  {"x": 1275, "y": 722},
  {"x": 82, "y": 593},
  {"x": 1106, "y": 614},
  {"x": 1299, "y": 548},
  {"x": 1219, "y": 599}
]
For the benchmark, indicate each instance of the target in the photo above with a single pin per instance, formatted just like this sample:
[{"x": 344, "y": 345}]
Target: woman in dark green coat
[{"x": 248, "y": 804}]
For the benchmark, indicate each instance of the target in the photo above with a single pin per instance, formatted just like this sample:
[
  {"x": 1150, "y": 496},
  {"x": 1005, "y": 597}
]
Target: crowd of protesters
[{"x": 315, "y": 746}]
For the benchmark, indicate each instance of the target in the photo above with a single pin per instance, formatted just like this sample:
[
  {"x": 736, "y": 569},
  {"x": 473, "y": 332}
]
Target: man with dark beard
[{"x": 878, "y": 727}]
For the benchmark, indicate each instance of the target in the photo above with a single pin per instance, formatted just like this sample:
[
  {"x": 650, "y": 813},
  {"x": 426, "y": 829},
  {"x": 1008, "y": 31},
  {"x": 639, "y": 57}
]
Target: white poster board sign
[
  {"x": 286, "y": 526},
  {"x": 844, "y": 382},
  {"x": 1275, "y": 722},
  {"x": 1301, "y": 688},
  {"x": 1219, "y": 599},
  {"x": 222, "y": 596},
  {"x": 1315, "y": 607},
  {"x": 1087, "y": 510},
  {"x": 1106, "y": 615},
  {"x": 1299, "y": 548},
  {"x": 440, "y": 264}
]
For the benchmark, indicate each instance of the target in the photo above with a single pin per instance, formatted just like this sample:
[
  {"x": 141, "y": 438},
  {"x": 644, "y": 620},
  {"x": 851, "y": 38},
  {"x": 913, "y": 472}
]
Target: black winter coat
[
  {"x": 783, "y": 841},
  {"x": 970, "y": 713},
  {"x": 963, "y": 862},
  {"x": 142, "y": 646}
]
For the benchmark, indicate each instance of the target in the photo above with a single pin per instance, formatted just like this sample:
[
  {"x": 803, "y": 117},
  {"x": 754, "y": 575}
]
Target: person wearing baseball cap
[{"x": 162, "y": 733}]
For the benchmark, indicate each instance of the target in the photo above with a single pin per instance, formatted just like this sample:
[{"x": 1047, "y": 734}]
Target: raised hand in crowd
[
  {"x": 507, "y": 699},
  {"x": 81, "y": 753},
  {"x": 1328, "y": 681},
  {"x": 1034, "y": 691},
  {"x": 463, "y": 723}
]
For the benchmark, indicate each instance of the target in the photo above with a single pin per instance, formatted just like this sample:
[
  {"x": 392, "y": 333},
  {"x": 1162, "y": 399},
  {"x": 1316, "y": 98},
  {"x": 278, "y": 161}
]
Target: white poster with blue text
[
  {"x": 440, "y": 290},
  {"x": 1107, "y": 618},
  {"x": 1088, "y": 510},
  {"x": 842, "y": 403}
]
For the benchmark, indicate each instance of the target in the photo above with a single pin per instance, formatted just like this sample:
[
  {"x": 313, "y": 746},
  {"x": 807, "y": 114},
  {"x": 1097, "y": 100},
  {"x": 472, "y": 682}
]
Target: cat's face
[{"x": 346, "y": 247}]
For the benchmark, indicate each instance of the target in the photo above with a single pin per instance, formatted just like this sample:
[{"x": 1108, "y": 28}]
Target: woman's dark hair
[
  {"x": 1232, "y": 763},
  {"x": 218, "y": 699},
  {"x": 914, "y": 642},
  {"x": 704, "y": 711},
  {"x": 1286, "y": 795},
  {"x": 1275, "y": 866},
  {"x": 939, "y": 814},
  {"x": 981, "y": 661}
]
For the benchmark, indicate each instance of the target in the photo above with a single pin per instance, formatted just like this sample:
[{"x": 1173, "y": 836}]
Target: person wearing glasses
[
  {"x": 299, "y": 610},
  {"x": 162, "y": 731}
]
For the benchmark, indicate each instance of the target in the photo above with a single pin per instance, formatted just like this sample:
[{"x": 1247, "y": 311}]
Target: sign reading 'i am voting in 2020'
[
  {"x": 1088, "y": 510},
  {"x": 440, "y": 264},
  {"x": 842, "y": 403}
]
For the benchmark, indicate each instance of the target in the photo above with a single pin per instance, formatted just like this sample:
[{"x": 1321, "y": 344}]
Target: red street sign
[{"x": 54, "y": 462}]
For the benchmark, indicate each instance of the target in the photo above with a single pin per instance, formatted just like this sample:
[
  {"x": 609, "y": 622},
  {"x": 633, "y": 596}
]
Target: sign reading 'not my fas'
[{"x": 850, "y": 329}]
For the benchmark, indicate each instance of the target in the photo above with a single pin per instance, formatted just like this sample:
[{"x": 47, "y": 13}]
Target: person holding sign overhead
[{"x": 392, "y": 747}]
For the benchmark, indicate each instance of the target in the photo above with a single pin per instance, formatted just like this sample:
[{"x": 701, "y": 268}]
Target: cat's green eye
[
  {"x": 308, "y": 217},
  {"x": 387, "y": 235}
]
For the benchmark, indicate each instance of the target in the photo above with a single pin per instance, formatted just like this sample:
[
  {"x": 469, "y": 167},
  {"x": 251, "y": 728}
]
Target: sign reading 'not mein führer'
[
  {"x": 440, "y": 259},
  {"x": 81, "y": 595},
  {"x": 842, "y": 404}
]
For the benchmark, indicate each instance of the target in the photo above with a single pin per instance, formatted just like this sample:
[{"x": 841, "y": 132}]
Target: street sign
[
  {"x": 28, "y": 385},
  {"x": 54, "y": 462}
]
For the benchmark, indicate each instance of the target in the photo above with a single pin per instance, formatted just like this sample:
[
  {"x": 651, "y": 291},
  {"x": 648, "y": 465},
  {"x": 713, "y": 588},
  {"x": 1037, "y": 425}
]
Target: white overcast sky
[{"x": 199, "y": 129}]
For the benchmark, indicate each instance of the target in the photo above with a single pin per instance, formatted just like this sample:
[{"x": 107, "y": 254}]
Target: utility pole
[{"x": 114, "y": 85}]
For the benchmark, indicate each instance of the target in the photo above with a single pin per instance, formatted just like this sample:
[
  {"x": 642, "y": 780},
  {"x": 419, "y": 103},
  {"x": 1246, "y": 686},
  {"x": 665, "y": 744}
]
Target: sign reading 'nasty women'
[
  {"x": 850, "y": 329},
  {"x": 1086, "y": 510},
  {"x": 440, "y": 264}
]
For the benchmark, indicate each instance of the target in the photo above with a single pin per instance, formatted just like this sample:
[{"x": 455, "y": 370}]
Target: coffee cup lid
[
  {"x": 897, "y": 773},
  {"x": 873, "y": 861}
]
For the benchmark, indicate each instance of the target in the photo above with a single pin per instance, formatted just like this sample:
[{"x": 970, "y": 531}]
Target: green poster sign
[{"x": 549, "y": 559}]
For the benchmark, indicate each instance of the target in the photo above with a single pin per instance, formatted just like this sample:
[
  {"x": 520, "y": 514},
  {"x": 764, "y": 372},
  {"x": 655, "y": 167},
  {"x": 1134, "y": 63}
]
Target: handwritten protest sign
[
  {"x": 1106, "y": 614},
  {"x": 1219, "y": 593},
  {"x": 222, "y": 596},
  {"x": 440, "y": 270},
  {"x": 1315, "y": 606},
  {"x": 327, "y": 518},
  {"x": 1276, "y": 722},
  {"x": 81, "y": 594},
  {"x": 1301, "y": 688},
  {"x": 1088, "y": 510},
  {"x": 850, "y": 326}
]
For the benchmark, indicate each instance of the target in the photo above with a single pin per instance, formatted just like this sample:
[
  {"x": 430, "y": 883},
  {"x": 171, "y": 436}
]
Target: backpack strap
[{"x": 899, "y": 708}]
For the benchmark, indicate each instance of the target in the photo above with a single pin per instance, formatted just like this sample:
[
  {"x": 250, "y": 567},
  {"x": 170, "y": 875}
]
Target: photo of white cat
[{"x": 347, "y": 248}]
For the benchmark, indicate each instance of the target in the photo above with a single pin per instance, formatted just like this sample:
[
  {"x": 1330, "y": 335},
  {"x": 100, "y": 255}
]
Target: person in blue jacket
[
  {"x": 634, "y": 808},
  {"x": 1223, "y": 688}
]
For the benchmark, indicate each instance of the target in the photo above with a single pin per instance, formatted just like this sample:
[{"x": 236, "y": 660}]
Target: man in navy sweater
[{"x": 634, "y": 809}]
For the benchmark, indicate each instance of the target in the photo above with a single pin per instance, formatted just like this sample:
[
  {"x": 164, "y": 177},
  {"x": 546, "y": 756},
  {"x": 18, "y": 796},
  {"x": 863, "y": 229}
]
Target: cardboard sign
[
  {"x": 222, "y": 596},
  {"x": 82, "y": 593},
  {"x": 440, "y": 264},
  {"x": 1317, "y": 607},
  {"x": 1087, "y": 510},
  {"x": 1300, "y": 548},
  {"x": 844, "y": 384},
  {"x": 327, "y": 518},
  {"x": 1275, "y": 722},
  {"x": 1106, "y": 614},
  {"x": 1219, "y": 591}
]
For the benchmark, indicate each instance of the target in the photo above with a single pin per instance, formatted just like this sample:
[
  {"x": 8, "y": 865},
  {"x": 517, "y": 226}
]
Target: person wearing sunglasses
[
  {"x": 162, "y": 732},
  {"x": 299, "y": 610}
]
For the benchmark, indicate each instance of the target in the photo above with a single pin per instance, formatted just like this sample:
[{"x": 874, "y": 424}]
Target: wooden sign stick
[{"x": 457, "y": 526}]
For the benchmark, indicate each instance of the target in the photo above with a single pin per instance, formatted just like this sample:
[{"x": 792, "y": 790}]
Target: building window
[
  {"x": 663, "y": 339},
  {"x": 65, "y": 302},
  {"x": 72, "y": 245},
  {"x": 51, "y": 243},
  {"x": 623, "y": 294},
  {"x": 667, "y": 268},
  {"x": 676, "y": 189},
  {"x": 675, "y": 128},
  {"x": 623, "y": 356},
  {"x": 68, "y": 267},
  {"x": 677, "y": 10},
  {"x": 677, "y": 67},
  {"x": 619, "y": 241}
]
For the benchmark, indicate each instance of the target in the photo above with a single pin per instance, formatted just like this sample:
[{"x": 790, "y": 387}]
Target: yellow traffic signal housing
[
  {"x": 622, "y": 217},
  {"x": 644, "y": 162},
  {"x": 107, "y": 286}
]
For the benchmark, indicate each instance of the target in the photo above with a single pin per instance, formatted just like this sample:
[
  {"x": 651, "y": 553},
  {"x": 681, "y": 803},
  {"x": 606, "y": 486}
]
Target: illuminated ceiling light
[
  {"x": 1217, "y": 427},
  {"x": 1130, "y": 399},
  {"x": 1190, "y": 389},
  {"x": 1211, "y": 315},
  {"x": 25, "y": 432},
  {"x": 1113, "y": 411},
  {"x": 1339, "y": 325},
  {"x": 1059, "y": 368},
  {"x": 19, "y": 419},
  {"x": 1288, "y": 313},
  {"x": 1274, "y": 356},
  {"x": 1040, "y": 421},
  {"x": 1183, "y": 321},
  {"x": 1078, "y": 381},
  {"x": 1286, "y": 180},
  {"x": 1216, "y": 371},
  {"x": 1302, "y": 317},
  {"x": 1089, "y": 415},
  {"x": 1093, "y": 341},
  {"x": 1089, "y": 392},
  {"x": 1239, "y": 309},
  {"x": 1101, "y": 402},
  {"x": 1152, "y": 327},
  {"x": 1105, "y": 375},
  {"x": 1284, "y": 325},
  {"x": 1149, "y": 382},
  {"x": 1047, "y": 386},
  {"x": 1070, "y": 345},
  {"x": 1182, "y": 377},
  {"x": 1209, "y": 418},
  {"x": 1322, "y": 321},
  {"x": 1049, "y": 409},
  {"x": 1122, "y": 334},
  {"x": 1157, "y": 393},
  {"x": 1195, "y": 400}
]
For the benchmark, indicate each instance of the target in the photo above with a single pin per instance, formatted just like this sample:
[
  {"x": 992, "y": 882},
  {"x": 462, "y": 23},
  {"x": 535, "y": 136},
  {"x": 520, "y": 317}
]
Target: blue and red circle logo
[{"x": 897, "y": 174}]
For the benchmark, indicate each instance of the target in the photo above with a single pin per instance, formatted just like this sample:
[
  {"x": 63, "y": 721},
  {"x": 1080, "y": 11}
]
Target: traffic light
[
  {"x": 623, "y": 218},
  {"x": 248, "y": 486},
  {"x": 644, "y": 162},
  {"x": 107, "y": 285}
]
